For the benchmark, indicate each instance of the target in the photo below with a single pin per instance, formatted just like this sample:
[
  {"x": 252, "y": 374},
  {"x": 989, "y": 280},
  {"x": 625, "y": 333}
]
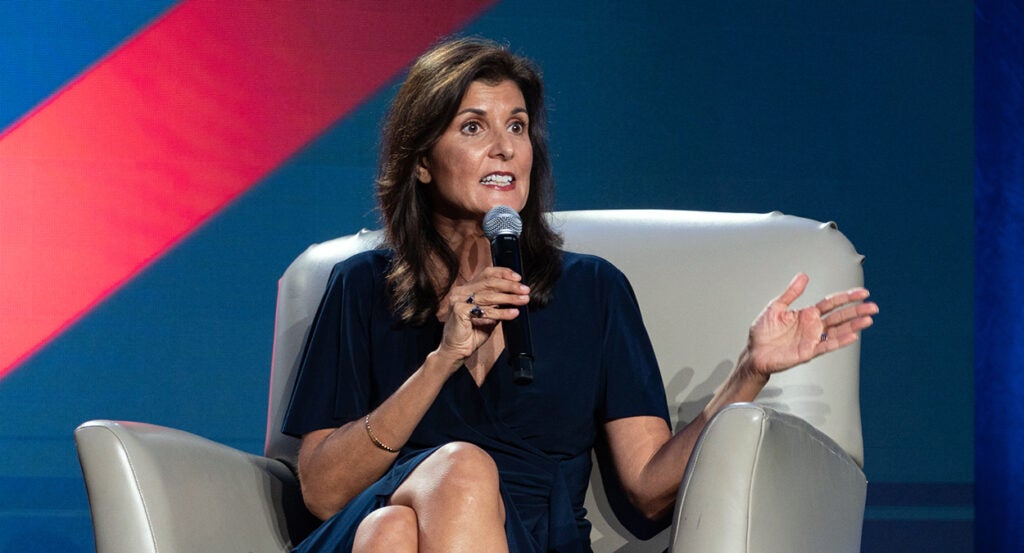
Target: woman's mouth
[{"x": 498, "y": 180}]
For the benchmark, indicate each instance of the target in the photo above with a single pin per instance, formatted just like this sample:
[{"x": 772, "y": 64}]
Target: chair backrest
[{"x": 700, "y": 277}]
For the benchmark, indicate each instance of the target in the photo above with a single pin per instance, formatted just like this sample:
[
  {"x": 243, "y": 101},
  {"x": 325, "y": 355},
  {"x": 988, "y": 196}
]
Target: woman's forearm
[
  {"x": 661, "y": 476},
  {"x": 337, "y": 464},
  {"x": 743, "y": 384}
]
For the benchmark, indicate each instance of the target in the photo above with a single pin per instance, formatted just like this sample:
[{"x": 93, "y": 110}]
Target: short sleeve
[
  {"x": 332, "y": 385},
  {"x": 633, "y": 385}
]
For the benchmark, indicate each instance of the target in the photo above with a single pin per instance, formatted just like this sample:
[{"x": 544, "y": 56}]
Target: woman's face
[{"x": 484, "y": 157}]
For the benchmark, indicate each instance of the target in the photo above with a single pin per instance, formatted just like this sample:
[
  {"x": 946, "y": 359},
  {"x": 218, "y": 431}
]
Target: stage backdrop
[
  {"x": 999, "y": 288},
  {"x": 162, "y": 162}
]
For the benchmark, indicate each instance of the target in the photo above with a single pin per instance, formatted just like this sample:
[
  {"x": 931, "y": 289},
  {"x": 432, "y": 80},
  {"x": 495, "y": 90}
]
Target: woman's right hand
[{"x": 476, "y": 308}]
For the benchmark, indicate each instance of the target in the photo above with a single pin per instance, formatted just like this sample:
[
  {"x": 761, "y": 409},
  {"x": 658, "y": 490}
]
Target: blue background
[
  {"x": 858, "y": 112},
  {"x": 999, "y": 290}
]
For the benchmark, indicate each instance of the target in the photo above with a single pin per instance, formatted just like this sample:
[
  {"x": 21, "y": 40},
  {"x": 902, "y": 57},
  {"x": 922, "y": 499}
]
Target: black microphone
[{"x": 502, "y": 226}]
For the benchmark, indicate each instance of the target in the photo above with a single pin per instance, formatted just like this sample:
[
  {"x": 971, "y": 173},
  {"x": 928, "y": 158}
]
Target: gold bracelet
[{"x": 374, "y": 439}]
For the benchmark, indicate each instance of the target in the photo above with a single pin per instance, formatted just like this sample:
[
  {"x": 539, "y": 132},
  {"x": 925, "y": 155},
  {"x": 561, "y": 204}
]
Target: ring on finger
[
  {"x": 471, "y": 299},
  {"x": 476, "y": 312},
  {"x": 824, "y": 336}
]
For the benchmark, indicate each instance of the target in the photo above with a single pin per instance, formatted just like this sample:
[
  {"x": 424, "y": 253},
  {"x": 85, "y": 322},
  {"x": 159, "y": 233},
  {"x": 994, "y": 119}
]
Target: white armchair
[{"x": 782, "y": 474}]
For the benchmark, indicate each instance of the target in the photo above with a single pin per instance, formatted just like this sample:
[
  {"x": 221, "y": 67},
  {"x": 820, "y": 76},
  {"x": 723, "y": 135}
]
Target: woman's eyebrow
[{"x": 480, "y": 112}]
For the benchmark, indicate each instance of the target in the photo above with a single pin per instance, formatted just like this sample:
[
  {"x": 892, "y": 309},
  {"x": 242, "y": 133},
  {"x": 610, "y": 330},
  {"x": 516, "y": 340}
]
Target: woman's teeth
[{"x": 497, "y": 180}]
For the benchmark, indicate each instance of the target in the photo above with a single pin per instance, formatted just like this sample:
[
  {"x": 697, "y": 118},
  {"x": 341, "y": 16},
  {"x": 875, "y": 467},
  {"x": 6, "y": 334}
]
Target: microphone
[{"x": 502, "y": 226}]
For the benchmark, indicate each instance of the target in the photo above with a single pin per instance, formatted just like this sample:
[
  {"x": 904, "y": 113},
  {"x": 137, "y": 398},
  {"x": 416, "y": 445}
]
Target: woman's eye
[
  {"x": 517, "y": 127},
  {"x": 471, "y": 127}
]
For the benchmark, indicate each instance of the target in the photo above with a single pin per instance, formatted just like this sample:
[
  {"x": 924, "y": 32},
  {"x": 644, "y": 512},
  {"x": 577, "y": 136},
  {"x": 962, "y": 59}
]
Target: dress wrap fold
[{"x": 594, "y": 363}]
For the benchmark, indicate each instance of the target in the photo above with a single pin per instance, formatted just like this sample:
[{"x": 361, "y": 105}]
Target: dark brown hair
[{"x": 423, "y": 108}]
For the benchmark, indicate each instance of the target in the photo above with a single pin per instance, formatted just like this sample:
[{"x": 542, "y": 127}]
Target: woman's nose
[{"x": 503, "y": 147}]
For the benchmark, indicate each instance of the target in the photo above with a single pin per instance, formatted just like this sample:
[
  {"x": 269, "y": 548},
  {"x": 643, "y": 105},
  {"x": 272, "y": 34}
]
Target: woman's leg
[
  {"x": 456, "y": 502},
  {"x": 390, "y": 529}
]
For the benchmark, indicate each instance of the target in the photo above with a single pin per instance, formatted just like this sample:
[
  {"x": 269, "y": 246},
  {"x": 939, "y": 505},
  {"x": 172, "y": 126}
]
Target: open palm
[{"x": 781, "y": 337}]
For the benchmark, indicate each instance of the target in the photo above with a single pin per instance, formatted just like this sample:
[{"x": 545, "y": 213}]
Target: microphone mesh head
[{"x": 502, "y": 220}]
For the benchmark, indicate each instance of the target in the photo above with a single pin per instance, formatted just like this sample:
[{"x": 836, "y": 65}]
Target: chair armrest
[
  {"x": 154, "y": 488},
  {"x": 761, "y": 480}
]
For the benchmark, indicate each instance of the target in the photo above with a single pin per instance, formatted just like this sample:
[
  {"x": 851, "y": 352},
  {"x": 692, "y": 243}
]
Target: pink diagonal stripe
[{"x": 169, "y": 128}]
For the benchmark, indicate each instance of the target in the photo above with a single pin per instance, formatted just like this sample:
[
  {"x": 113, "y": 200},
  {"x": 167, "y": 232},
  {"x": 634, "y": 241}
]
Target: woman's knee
[
  {"x": 466, "y": 465},
  {"x": 392, "y": 528},
  {"x": 458, "y": 472}
]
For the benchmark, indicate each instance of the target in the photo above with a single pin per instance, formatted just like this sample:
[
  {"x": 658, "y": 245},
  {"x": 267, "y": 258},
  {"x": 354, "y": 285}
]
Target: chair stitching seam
[
  {"x": 750, "y": 487},
  {"x": 135, "y": 479}
]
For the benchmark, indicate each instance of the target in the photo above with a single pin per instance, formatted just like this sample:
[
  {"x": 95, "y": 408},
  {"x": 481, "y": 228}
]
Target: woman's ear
[{"x": 422, "y": 172}]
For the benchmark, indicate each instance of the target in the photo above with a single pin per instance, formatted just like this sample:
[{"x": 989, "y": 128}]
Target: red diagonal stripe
[{"x": 161, "y": 134}]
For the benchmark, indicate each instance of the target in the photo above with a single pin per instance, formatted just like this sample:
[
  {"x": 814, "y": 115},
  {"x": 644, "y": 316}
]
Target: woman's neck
[{"x": 467, "y": 241}]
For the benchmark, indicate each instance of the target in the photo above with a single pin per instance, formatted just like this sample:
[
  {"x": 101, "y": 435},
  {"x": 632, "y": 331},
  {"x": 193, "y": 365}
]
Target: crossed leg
[
  {"x": 389, "y": 529},
  {"x": 450, "y": 503}
]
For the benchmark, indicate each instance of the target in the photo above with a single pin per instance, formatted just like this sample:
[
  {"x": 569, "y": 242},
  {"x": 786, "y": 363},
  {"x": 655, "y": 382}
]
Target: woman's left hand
[{"x": 781, "y": 338}]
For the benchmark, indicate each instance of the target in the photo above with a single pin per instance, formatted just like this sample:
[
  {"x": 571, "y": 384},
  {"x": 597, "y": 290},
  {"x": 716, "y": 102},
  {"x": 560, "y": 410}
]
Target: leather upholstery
[
  {"x": 779, "y": 475},
  {"x": 154, "y": 489}
]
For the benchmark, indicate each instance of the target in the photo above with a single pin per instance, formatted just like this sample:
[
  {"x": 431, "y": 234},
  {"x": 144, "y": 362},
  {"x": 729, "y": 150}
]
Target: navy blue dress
[{"x": 594, "y": 363}]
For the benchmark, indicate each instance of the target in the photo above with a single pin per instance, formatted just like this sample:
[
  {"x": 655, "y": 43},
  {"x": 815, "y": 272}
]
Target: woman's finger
[
  {"x": 483, "y": 315},
  {"x": 500, "y": 272},
  {"x": 502, "y": 285},
  {"x": 793, "y": 291},
  {"x": 840, "y": 316},
  {"x": 489, "y": 298},
  {"x": 843, "y": 334},
  {"x": 839, "y": 299},
  {"x": 493, "y": 292},
  {"x": 490, "y": 291}
]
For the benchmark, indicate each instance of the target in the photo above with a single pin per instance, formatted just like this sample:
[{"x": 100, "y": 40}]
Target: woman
[{"x": 413, "y": 437}]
